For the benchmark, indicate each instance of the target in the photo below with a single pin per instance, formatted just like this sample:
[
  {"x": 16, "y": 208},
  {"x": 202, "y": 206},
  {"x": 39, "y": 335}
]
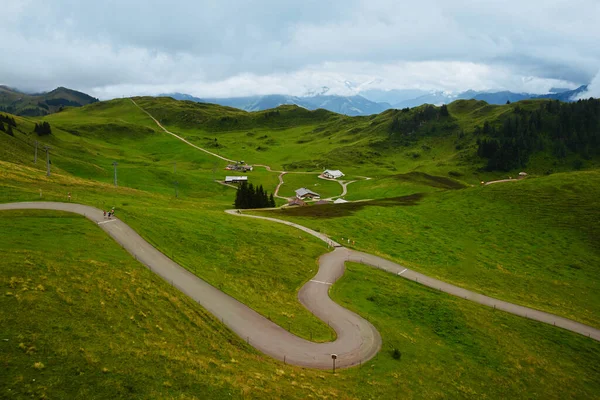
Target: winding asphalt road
[{"x": 357, "y": 340}]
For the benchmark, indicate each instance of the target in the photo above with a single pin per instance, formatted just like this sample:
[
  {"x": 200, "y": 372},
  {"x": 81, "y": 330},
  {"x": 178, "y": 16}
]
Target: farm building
[
  {"x": 340, "y": 201},
  {"x": 239, "y": 166},
  {"x": 304, "y": 193},
  {"x": 296, "y": 202},
  {"x": 333, "y": 173},
  {"x": 236, "y": 179}
]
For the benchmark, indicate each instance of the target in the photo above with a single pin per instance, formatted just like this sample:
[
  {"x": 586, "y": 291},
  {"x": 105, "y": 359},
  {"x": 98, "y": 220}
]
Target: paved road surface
[
  {"x": 389, "y": 266},
  {"x": 357, "y": 340}
]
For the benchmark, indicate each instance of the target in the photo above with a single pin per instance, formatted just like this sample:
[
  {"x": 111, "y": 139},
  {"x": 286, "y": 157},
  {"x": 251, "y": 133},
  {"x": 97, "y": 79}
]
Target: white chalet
[
  {"x": 236, "y": 179},
  {"x": 333, "y": 173}
]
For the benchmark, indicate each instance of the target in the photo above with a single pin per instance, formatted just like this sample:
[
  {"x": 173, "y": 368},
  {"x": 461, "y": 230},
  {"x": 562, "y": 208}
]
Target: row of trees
[
  {"x": 42, "y": 129},
  {"x": 8, "y": 120},
  {"x": 248, "y": 196},
  {"x": 555, "y": 126},
  {"x": 10, "y": 123}
]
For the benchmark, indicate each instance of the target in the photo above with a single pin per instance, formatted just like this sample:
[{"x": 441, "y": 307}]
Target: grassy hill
[
  {"x": 424, "y": 138},
  {"x": 15, "y": 102},
  {"x": 531, "y": 242},
  {"x": 81, "y": 318},
  {"x": 462, "y": 144}
]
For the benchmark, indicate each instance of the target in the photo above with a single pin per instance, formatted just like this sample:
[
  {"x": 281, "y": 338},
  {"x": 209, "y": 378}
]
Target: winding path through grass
[
  {"x": 268, "y": 168},
  {"x": 357, "y": 340}
]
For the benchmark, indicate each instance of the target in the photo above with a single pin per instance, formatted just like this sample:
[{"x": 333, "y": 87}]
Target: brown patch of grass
[
  {"x": 346, "y": 209},
  {"x": 430, "y": 180}
]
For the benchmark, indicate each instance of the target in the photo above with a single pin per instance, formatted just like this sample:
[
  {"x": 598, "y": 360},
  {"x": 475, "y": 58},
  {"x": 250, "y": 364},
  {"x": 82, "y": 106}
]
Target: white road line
[
  {"x": 400, "y": 273},
  {"x": 106, "y": 222},
  {"x": 324, "y": 283}
]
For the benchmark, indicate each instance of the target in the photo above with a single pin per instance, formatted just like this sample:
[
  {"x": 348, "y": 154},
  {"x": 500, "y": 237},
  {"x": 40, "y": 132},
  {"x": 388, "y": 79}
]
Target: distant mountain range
[
  {"x": 375, "y": 101},
  {"x": 348, "y": 105},
  {"x": 38, "y": 104},
  {"x": 368, "y": 102}
]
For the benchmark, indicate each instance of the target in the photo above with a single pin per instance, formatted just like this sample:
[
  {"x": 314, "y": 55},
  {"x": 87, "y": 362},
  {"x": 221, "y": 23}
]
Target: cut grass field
[
  {"x": 83, "y": 319},
  {"x": 532, "y": 242}
]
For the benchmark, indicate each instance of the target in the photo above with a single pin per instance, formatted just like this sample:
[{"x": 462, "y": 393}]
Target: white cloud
[
  {"x": 228, "y": 47},
  {"x": 593, "y": 89}
]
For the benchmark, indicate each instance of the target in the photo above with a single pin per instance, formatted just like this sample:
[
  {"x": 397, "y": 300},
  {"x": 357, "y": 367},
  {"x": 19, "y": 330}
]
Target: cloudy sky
[{"x": 220, "y": 48}]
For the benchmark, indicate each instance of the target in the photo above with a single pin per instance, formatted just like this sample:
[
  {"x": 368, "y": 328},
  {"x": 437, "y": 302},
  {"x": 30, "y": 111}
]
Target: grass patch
[
  {"x": 532, "y": 242},
  {"x": 439, "y": 346},
  {"x": 83, "y": 319},
  {"x": 312, "y": 182}
]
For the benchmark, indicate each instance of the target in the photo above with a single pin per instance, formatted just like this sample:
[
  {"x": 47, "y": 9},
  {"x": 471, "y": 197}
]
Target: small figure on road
[
  {"x": 109, "y": 215},
  {"x": 69, "y": 196},
  {"x": 104, "y": 212}
]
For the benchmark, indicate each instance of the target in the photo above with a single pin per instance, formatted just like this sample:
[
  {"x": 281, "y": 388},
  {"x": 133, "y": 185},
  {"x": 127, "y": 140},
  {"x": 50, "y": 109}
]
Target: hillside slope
[{"x": 18, "y": 103}]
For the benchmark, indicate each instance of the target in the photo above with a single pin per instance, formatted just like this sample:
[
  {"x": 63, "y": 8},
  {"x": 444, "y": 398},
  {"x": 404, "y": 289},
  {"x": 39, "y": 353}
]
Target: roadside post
[{"x": 334, "y": 357}]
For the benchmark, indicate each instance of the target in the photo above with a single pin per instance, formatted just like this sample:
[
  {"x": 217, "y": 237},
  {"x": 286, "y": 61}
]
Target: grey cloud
[{"x": 135, "y": 45}]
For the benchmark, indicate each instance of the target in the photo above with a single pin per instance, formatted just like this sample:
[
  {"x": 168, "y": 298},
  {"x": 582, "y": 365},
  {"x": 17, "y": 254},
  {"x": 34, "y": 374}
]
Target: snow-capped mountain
[
  {"x": 361, "y": 105},
  {"x": 348, "y": 105}
]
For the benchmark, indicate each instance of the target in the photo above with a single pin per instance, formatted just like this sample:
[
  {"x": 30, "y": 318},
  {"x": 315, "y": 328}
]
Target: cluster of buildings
[
  {"x": 304, "y": 194},
  {"x": 239, "y": 166}
]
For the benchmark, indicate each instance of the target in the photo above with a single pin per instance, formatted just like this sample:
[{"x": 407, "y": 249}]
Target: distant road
[
  {"x": 179, "y": 137},
  {"x": 500, "y": 181},
  {"x": 357, "y": 340},
  {"x": 268, "y": 168}
]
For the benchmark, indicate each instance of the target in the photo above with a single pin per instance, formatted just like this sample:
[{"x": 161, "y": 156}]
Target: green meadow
[
  {"x": 323, "y": 187},
  {"x": 532, "y": 242},
  {"x": 81, "y": 318}
]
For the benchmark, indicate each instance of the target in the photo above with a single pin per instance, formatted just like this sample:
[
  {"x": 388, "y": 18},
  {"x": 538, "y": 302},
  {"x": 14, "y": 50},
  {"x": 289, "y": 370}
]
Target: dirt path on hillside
[
  {"x": 357, "y": 340},
  {"x": 179, "y": 137},
  {"x": 500, "y": 181},
  {"x": 276, "y": 193}
]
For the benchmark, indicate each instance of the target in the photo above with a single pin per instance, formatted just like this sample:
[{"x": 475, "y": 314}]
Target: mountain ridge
[
  {"x": 358, "y": 105},
  {"x": 39, "y": 104}
]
